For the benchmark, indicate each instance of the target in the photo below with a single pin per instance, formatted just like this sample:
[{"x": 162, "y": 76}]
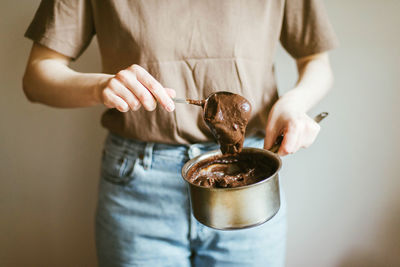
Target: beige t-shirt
[{"x": 193, "y": 46}]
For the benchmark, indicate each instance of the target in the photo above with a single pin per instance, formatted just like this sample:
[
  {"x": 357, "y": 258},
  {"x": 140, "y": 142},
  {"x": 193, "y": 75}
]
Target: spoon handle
[
  {"x": 180, "y": 100},
  {"x": 188, "y": 101}
]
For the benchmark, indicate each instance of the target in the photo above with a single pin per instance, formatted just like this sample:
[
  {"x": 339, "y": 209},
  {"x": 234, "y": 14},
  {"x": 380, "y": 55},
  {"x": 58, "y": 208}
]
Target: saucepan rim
[{"x": 206, "y": 155}]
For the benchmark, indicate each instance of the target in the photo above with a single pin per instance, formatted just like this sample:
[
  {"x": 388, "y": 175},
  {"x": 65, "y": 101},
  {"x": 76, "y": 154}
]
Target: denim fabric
[{"x": 143, "y": 215}]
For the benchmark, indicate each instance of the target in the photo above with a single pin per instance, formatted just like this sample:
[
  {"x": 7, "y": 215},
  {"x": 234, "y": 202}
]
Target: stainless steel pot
[
  {"x": 235, "y": 208},
  {"x": 240, "y": 207}
]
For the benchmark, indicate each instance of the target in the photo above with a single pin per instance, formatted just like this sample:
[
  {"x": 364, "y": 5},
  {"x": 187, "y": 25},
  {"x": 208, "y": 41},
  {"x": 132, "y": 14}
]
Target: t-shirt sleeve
[
  {"x": 63, "y": 25},
  {"x": 306, "y": 29}
]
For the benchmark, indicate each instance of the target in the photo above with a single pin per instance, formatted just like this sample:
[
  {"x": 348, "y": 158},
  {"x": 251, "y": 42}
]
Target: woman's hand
[
  {"x": 48, "y": 79},
  {"x": 132, "y": 88},
  {"x": 288, "y": 117}
]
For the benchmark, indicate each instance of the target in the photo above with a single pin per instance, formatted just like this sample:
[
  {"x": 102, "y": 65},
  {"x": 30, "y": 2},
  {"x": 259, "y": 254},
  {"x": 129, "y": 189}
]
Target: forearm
[
  {"x": 50, "y": 81},
  {"x": 315, "y": 80},
  {"x": 53, "y": 83}
]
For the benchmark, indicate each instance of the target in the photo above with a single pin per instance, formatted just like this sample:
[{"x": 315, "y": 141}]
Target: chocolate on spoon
[{"x": 227, "y": 115}]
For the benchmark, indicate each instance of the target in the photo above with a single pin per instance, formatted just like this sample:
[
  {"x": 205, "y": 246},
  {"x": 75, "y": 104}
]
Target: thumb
[{"x": 270, "y": 136}]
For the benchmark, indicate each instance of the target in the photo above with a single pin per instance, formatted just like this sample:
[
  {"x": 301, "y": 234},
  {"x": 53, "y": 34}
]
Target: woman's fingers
[
  {"x": 153, "y": 86},
  {"x": 272, "y": 131},
  {"x": 290, "y": 140},
  {"x": 298, "y": 132},
  {"x": 111, "y": 100},
  {"x": 310, "y": 133},
  {"x": 171, "y": 92},
  {"x": 134, "y": 87},
  {"x": 120, "y": 90},
  {"x": 271, "y": 134},
  {"x": 129, "y": 79}
]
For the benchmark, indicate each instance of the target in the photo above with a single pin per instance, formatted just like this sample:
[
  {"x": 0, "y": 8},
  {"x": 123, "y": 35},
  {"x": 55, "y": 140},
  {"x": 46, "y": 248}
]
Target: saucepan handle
[{"x": 279, "y": 140}]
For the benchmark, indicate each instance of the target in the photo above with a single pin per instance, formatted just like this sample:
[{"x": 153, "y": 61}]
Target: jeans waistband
[
  {"x": 136, "y": 146},
  {"x": 116, "y": 144}
]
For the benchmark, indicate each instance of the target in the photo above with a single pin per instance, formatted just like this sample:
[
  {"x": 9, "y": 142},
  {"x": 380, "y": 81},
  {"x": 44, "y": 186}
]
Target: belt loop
[
  {"x": 148, "y": 155},
  {"x": 194, "y": 151}
]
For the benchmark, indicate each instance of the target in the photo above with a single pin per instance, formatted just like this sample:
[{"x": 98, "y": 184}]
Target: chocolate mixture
[
  {"x": 227, "y": 114},
  {"x": 231, "y": 170}
]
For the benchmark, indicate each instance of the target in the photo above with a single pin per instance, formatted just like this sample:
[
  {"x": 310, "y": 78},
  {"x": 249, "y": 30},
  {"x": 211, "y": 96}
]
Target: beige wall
[{"x": 343, "y": 193}]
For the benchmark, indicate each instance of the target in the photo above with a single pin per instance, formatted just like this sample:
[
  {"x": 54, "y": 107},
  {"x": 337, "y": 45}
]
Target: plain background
[{"x": 343, "y": 192}]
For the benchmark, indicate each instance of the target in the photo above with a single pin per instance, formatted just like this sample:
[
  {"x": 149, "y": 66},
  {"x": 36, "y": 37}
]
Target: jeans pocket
[{"x": 117, "y": 169}]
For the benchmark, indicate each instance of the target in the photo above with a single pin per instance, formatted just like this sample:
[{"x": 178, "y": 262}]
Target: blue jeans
[{"x": 144, "y": 219}]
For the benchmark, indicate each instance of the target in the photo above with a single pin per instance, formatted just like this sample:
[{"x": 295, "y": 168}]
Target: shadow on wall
[{"x": 382, "y": 252}]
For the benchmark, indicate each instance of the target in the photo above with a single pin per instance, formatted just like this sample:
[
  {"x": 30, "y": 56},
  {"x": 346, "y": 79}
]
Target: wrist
[
  {"x": 295, "y": 100},
  {"x": 100, "y": 84}
]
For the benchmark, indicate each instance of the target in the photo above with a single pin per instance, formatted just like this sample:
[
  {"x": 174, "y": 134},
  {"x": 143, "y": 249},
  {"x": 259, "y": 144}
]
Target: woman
[{"x": 152, "y": 51}]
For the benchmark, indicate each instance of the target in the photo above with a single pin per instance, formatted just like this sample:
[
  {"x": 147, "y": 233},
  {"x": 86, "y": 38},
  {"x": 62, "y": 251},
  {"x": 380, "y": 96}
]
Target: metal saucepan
[{"x": 239, "y": 207}]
